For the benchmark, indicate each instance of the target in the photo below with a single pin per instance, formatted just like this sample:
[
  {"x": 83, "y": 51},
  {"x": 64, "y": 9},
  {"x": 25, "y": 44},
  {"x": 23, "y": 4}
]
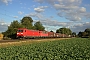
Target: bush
[{"x": 6, "y": 38}]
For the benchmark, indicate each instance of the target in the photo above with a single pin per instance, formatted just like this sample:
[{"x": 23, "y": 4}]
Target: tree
[
  {"x": 80, "y": 34},
  {"x": 58, "y": 31},
  {"x": 74, "y": 34},
  {"x": 39, "y": 26},
  {"x": 87, "y": 31},
  {"x": 64, "y": 31},
  {"x": 27, "y": 22},
  {"x": 11, "y": 31},
  {"x": 51, "y": 31},
  {"x": 85, "y": 34}
]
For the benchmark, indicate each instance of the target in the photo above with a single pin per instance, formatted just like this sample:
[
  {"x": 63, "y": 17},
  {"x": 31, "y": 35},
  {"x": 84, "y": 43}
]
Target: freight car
[{"x": 26, "y": 33}]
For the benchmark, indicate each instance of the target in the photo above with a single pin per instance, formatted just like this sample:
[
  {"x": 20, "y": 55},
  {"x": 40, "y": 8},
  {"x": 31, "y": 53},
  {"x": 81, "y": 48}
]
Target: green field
[{"x": 70, "y": 49}]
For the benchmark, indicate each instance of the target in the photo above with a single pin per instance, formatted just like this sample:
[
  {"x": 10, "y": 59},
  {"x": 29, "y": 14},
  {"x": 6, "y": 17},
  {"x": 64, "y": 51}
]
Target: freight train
[{"x": 26, "y": 33}]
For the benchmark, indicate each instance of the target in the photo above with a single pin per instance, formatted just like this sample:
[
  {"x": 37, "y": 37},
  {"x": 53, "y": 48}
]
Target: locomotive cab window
[{"x": 20, "y": 31}]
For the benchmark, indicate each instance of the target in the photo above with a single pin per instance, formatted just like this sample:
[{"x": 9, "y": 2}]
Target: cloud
[
  {"x": 40, "y": 9},
  {"x": 36, "y": 15},
  {"x": 80, "y": 27},
  {"x": 72, "y": 10},
  {"x": 6, "y": 1},
  {"x": 15, "y": 16},
  {"x": 88, "y": 5},
  {"x": 73, "y": 16},
  {"x": 59, "y": 1},
  {"x": 74, "y": 26},
  {"x": 87, "y": 15},
  {"x": 49, "y": 22},
  {"x": 69, "y": 9},
  {"x": 20, "y": 12},
  {"x": 3, "y": 26},
  {"x": 64, "y": 7},
  {"x": 82, "y": 10},
  {"x": 40, "y": 1}
]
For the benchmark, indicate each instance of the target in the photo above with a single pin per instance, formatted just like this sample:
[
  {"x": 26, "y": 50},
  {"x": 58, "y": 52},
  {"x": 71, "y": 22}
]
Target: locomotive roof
[{"x": 29, "y": 29}]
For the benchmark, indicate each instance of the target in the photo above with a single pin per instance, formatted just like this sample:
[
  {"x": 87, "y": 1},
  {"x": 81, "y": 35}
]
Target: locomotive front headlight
[
  {"x": 21, "y": 33},
  {"x": 17, "y": 33}
]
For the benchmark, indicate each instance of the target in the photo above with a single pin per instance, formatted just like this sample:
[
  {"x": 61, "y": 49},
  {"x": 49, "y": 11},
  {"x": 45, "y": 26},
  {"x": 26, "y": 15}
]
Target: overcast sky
[{"x": 54, "y": 14}]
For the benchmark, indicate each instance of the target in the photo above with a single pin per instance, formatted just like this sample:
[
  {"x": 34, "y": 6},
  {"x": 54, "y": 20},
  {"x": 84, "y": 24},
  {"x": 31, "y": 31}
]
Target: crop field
[{"x": 68, "y": 49}]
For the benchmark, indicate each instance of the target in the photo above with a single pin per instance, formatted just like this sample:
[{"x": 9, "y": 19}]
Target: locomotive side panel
[
  {"x": 33, "y": 33},
  {"x": 22, "y": 32}
]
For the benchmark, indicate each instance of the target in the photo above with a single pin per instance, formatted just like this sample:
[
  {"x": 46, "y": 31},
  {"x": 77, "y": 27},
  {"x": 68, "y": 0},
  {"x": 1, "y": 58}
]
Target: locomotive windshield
[{"x": 20, "y": 31}]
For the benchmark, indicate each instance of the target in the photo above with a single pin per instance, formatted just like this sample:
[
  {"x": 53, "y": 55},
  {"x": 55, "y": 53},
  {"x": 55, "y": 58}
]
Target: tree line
[
  {"x": 85, "y": 33},
  {"x": 27, "y": 22}
]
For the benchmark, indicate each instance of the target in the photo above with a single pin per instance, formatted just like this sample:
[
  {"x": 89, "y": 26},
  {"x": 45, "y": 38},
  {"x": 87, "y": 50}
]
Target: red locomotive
[{"x": 26, "y": 33}]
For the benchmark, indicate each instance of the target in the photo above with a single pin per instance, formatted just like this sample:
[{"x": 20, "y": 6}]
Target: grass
[{"x": 71, "y": 49}]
